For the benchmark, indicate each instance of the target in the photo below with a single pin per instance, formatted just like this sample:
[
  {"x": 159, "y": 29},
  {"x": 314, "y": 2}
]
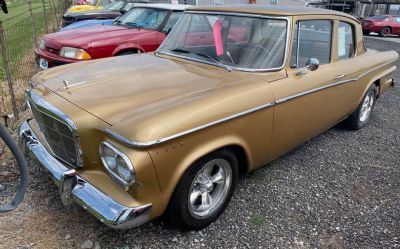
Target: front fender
[{"x": 174, "y": 158}]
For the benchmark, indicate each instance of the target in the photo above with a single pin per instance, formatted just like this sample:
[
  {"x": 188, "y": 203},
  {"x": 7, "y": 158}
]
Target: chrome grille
[{"x": 59, "y": 136}]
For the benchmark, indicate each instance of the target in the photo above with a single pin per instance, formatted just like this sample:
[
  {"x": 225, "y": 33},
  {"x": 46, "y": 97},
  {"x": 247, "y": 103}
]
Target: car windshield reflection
[
  {"x": 147, "y": 18},
  {"x": 238, "y": 42}
]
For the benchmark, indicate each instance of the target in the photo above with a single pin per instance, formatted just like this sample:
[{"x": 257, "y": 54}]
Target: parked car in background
[
  {"x": 93, "y": 5},
  {"x": 142, "y": 29},
  {"x": 88, "y": 23},
  {"x": 384, "y": 25},
  {"x": 81, "y": 2},
  {"x": 132, "y": 137},
  {"x": 111, "y": 11}
]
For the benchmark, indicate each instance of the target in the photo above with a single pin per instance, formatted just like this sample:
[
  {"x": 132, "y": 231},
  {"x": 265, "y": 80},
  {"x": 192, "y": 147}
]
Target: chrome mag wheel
[
  {"x": 209, "y": 188},
  {"x": 367, "y": 106}
]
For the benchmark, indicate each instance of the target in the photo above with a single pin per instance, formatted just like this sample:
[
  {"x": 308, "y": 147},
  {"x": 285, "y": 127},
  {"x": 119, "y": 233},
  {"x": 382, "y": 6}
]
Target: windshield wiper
[
  {"x": 181, "y": 50},
  {"x": 215, "y": 60},
  {"x": 134, "y": 24}
]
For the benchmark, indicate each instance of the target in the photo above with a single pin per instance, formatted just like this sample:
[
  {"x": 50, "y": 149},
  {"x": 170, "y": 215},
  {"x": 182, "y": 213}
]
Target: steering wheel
[
  {"x": 249, "y": 45},
  {"x": 256, "y": 47}
]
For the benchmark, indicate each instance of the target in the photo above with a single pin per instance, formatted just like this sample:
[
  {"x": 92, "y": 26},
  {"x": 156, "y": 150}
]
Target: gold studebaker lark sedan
[{"x": 232, "y": 87}]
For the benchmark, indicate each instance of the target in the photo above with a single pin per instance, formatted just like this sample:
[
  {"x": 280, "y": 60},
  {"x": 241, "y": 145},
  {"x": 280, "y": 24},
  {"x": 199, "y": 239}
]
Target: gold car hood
[{"x": 151, "y": 96}]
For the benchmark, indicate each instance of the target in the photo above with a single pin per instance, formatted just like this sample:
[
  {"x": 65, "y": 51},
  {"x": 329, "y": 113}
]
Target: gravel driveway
[{"x": 339, "y": 190}]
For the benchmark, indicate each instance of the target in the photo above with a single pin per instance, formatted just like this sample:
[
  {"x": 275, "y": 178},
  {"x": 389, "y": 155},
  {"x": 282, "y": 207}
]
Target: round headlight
[
  {"x": 110, "y": 157},
  {"x": 123, "y": 170}
]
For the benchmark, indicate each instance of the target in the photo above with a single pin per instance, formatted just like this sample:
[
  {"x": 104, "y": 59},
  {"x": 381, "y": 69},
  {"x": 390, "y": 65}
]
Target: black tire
[
  {"x": 23, "y": 167},
  {"x": 385, "y": 32},
  {"x": 355, "y": 121},
  {"x": 178, "y": 211},
  {"x": 366, "y": 32}
]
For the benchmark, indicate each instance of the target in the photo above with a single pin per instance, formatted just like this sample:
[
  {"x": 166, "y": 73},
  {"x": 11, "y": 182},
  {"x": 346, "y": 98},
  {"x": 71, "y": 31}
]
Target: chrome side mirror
[{"x": 312, "y": 64}]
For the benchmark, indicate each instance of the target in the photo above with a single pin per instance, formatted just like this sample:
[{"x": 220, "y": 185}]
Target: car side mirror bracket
[{"x": 312, "y": 64}]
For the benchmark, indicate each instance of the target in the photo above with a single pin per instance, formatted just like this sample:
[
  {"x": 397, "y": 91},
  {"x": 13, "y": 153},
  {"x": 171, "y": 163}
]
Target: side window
[
  {"x": 312, "y": 39},
  {"x": 397, "y": 19},
  {"x": 173, "y": 18},
  {"x": 345, "y": 41}
]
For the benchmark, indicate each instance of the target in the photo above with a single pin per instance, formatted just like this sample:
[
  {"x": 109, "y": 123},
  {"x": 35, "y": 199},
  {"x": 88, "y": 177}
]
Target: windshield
[
  {"x": 117, "y": 5},
  {"x": 381, "y": 18},
  {"x": 147, "y": 18},
  {"x": 241, "y": 42}
]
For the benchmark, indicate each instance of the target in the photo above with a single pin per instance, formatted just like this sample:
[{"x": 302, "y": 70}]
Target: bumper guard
[{"x": 75, "y": 188}]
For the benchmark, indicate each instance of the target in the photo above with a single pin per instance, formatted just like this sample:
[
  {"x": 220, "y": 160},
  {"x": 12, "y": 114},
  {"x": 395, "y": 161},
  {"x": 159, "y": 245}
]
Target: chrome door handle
[{"x": 340, "y": 76}]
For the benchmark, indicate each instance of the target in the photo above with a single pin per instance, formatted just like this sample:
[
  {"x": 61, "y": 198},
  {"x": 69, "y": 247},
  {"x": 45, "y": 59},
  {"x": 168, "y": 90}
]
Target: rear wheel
[
  {"x": 204, "y": 191},
  {"x": 385, "y": 32},
  {"x": 363, "y": 113}
]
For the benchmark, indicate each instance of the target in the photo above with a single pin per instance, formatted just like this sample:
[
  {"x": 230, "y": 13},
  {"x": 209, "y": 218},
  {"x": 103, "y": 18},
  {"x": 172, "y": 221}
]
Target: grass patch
[{"x": 20, "y": 31}]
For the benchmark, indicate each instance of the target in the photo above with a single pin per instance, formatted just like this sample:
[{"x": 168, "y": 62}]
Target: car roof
[
  {"x": 167, "y": 6},
  {"x": 270, "y": 10}
]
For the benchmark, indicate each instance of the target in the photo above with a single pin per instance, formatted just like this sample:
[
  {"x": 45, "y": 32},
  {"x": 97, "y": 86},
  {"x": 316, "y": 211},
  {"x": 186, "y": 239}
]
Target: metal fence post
[
  {"x": 7, "y": 68},
  {"x": 45, "y": 16},
  {"x": 32, "y": 20}
]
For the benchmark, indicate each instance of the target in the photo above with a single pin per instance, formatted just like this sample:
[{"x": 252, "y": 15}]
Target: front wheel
[
  {"x": 204, "y": 191},
  {"x": 361, "y": 116}
]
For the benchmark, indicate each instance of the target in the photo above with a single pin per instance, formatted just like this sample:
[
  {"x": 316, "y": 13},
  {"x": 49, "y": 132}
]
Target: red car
[
  {"x": 384, "y": 25},
  {"x": 142, "y": 29}
]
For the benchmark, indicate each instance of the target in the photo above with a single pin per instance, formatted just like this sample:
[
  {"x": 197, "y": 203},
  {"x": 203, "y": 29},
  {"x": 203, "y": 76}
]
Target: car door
[
  {"x": 396, "y": 25},
  {"x": 350, "y": 86},
  {"x": 307, "y": 102}
]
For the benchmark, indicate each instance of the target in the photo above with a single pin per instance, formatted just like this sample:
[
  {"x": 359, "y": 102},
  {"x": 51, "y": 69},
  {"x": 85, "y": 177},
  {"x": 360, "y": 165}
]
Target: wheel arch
[
  {"x": 376, "y": 80},
  {"x": 388, "y": 26},
  {"x": 234, "y": 144},
  {"x": 121, "y": 50}
]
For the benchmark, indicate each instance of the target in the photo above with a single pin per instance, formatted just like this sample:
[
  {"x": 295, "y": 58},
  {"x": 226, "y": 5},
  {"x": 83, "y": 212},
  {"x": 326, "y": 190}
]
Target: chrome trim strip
[
  {"x": 288, "y": 30},
  {"x": 48, "y": 109},
  {"x": 137, "y": 144},
  {"x": 98, "y": 203},
  {"x": 331, "y": 85}
]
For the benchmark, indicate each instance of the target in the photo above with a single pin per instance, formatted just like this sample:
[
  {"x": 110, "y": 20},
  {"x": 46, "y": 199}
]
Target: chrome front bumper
[{"x": 82, "y": 192}]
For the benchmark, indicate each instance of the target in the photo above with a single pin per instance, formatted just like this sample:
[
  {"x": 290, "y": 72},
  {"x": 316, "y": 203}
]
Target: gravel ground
[{"x": 339, "y": 190}]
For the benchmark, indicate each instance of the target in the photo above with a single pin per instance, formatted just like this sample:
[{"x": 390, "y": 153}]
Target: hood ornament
[{"x": 66, "y": 83}]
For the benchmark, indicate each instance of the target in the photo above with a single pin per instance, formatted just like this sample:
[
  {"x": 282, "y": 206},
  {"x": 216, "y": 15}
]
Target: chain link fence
[{"x": 18, "y": 37}]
